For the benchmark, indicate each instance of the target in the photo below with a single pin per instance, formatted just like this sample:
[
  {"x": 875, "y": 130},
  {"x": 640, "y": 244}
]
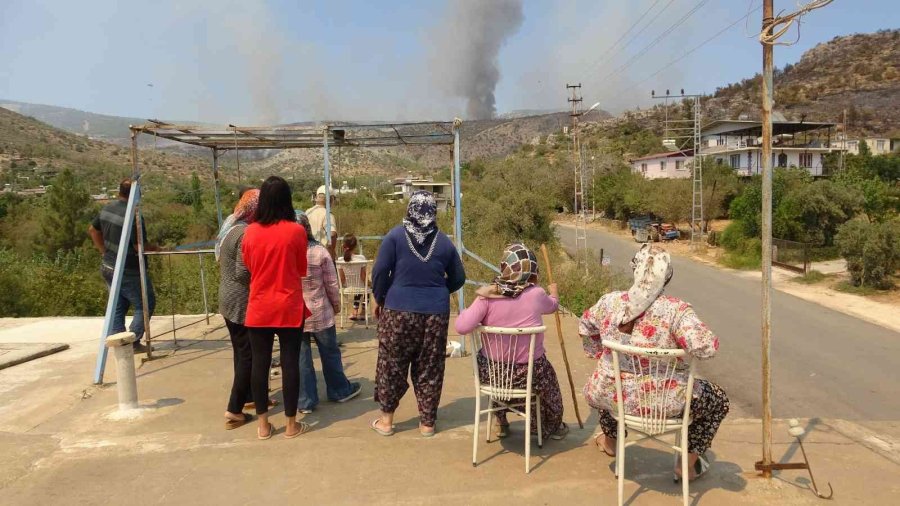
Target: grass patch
[
  {"x": 811, "y": 278},
  {"x": 847, "y": 287},
  {"x": 741, "y": 260}
]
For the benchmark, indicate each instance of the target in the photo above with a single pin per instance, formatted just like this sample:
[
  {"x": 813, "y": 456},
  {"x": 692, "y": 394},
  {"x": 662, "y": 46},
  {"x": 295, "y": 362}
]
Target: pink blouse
[{"x": 522, "y": 311}]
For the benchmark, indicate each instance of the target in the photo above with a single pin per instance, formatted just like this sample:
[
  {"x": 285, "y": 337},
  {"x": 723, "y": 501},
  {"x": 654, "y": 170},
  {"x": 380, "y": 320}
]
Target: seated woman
[
  {"x": 514, "y": 300},
  {"x": 348, "y": 246},
  {"x": 643, "y": 317}
]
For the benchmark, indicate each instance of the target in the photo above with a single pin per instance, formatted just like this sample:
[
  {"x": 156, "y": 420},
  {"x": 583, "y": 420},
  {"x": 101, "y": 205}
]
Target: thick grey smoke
[{"x": 465, "y": 48}]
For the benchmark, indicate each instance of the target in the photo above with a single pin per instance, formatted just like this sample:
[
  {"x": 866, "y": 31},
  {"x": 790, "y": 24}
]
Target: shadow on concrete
[{"x": 653, "y": 469}]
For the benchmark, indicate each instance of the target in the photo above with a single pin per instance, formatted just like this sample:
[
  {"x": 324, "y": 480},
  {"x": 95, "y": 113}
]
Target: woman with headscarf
[
  {"x": 514, "y": 300},
  {"x": 416, "y": 270},
  {"x": 320, "y": 291},
  {"x": 234, "y": 288},
  {"x": 645, "y": 318},
  {"x": 274, "y": 251}
]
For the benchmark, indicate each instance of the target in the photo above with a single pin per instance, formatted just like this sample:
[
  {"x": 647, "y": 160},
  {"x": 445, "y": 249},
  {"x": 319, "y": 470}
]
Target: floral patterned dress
[{"x": 669, "y": 322}]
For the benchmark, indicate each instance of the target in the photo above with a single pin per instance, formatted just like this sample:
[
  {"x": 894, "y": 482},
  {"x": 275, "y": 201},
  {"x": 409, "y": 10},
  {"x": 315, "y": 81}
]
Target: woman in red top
[{"x": 274, "y": 251}]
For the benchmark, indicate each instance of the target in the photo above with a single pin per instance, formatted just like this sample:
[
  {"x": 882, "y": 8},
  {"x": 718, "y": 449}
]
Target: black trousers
[
  {"x": 261, "y": 341},
  {"x": 243, "y": 359}
]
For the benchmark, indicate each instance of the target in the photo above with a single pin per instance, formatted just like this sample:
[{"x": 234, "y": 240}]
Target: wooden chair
[
  {"x": 661, "y": 364},
  {"x": 353, "y": 283},
  {"x": 502, "y": 344}
]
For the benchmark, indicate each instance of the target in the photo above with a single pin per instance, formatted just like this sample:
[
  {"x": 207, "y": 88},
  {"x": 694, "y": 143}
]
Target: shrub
[{"x": 872, "y": 251}]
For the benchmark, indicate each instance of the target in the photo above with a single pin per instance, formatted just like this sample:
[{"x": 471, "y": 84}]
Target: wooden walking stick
[{"x": 562, "y": 343}]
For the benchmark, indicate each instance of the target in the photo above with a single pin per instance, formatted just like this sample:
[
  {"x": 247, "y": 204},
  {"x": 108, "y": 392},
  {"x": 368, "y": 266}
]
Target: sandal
[
  {"x": 599, "y": 443},
  {"x": 267, "y": 436},
  {"x": 427, "y": 433},
  {"x": 502, "y": 430},
  {"x": 385, "y": 433},
  {"x": 700, "y": 468},
  {"x": 231, "y": 423},
  {"x": 561, "y": 433},
  {"x": 304, "y": 428}
]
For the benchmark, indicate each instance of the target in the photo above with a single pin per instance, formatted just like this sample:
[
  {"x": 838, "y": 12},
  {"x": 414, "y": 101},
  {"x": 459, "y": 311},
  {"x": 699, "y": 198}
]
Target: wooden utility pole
[{"x": 767, "y": 84}]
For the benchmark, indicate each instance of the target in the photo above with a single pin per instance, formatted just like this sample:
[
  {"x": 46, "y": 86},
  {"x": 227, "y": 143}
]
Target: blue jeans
[
  {"x": 337, "y": 386},
  {"x": 130, "y": 295}
]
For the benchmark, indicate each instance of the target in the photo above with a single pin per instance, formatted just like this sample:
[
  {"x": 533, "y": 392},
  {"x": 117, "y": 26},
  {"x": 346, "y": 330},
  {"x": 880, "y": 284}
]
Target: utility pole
[
  {"x": 772, "y": 29},
  {"x": 687, "y": 132},
  {"x": 843, "y": 138},
  {"x": 578, "y": 163},
  {"x": 767, "y": 92}
]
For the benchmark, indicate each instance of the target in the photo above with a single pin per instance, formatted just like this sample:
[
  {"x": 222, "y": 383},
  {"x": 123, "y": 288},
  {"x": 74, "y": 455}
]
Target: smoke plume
[{"x": 465, "y": 48}]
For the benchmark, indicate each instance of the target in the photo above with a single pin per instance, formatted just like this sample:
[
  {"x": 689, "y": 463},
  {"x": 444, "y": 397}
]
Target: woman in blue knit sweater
[{"x": 416, "y": 271}]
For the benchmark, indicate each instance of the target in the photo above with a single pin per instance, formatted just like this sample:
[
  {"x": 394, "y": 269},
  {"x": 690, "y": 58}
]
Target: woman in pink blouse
[
  {"x": 514, "y": 300},
  {"x": 643, "y": 317}
]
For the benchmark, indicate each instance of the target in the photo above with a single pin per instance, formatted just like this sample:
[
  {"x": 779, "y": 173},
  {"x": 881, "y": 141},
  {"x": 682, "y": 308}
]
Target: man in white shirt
[{"x": 316, "y": 215}]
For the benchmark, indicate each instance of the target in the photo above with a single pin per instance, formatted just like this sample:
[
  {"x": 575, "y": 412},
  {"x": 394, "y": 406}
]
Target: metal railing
[
  {"x": 791, "y": 255},
  {"x": 168, "y": 285}
]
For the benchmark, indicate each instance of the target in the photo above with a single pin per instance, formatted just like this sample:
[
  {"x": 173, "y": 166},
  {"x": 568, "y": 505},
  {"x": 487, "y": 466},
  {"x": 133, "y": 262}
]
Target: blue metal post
[
  {"x": 327, "y": 166},
  {"x": 457, "y": 209},
  {"x": 116, "y": 286}
]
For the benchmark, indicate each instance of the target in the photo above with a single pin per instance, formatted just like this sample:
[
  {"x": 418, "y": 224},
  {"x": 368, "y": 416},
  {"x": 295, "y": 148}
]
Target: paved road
[{"x": 824, "y": 363}]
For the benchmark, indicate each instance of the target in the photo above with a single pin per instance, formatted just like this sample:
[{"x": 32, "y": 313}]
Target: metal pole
[
  {"x": 327, "y": 169},
  {"x": 142, "y": 262},
  {"x": 116, "y": 284},
  {"x": 237, "y": 155},
  {"x": 767, "y": 93},
  {"x": 457, "y": 216},
  {"x": 203, "y": 287},
  {"x": 216, "y": 185}
]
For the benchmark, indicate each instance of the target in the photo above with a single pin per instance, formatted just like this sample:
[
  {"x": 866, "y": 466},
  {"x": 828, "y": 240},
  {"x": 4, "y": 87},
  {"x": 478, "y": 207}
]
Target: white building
[
  {"x": 672, "y": 164},
  {"x": 738, "y": 144},
  {"x": 877, "y": 146},
  {"x": 404, "y": 187}
]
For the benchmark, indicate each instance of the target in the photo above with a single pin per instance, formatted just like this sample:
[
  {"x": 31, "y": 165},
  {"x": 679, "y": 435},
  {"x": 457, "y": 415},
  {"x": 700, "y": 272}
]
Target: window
[
  {"x": 782, "y": 160},
  {"x": 879, "y": 146},
  {"x": 735, "y": 161},
  {"x": 806, "y": 160},
  {"x": 662, "y": 166},
  {"x": 644, "y": 168},
  {"x": 679, "y": 164},
  {"x": 720, "y": 142}
]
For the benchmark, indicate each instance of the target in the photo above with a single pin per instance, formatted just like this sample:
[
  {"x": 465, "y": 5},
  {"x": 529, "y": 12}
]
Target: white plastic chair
[
  {"x": 352, "y": 283},
  {"x": 502, "y": 344},
  {"x": 661, "y": 364}
]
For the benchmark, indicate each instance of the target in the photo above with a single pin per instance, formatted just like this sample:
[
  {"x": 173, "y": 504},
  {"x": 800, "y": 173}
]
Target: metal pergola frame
[{"x": 239, "y": 138}]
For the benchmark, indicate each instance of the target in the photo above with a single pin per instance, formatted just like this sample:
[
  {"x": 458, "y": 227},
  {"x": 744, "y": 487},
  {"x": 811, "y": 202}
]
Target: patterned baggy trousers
[{"x": 411, "y": 345}]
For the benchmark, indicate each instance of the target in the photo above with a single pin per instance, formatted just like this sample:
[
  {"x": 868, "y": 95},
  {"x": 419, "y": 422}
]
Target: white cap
[{"x": 321, "y": 190}]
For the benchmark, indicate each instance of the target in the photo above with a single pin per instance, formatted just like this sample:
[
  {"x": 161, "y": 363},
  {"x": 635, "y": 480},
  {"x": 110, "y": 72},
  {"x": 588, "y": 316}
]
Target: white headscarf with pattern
[{"x": 652, "y": 267}]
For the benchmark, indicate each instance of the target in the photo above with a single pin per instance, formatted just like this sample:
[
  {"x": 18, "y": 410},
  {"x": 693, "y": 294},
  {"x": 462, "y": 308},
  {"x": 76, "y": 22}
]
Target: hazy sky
[{"x": 255, "y": 61}]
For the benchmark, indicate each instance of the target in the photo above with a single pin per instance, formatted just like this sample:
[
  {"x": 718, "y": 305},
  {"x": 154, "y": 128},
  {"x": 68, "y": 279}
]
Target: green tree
[
  {"x": 872, "y": 251},
  {"x": 196, "y": 194},
  {"x": 812, "y": 212},
  {"x": 63, "y": 226}
]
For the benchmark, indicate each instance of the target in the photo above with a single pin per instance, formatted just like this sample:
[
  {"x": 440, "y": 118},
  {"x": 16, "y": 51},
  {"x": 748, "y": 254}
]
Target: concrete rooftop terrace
[{"x": 61, "y": 440}]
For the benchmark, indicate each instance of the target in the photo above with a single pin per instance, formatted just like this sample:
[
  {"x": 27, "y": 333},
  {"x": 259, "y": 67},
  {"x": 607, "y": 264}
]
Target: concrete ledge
[{"x": 18, "y": 353}]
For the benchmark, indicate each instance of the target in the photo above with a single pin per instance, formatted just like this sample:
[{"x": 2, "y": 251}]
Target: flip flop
[
  {"x": 231, "y": 424},
  {"x": 268, "y": 436},
  {"x": 304, "y": 428},
  {"x": 379, "y": 431},
  {"x": 427, "y": 434},
  {"x": 252, "y": 405}
]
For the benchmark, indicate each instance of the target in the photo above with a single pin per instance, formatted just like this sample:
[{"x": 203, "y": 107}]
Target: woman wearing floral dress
[{"x": 645, "y": 318}]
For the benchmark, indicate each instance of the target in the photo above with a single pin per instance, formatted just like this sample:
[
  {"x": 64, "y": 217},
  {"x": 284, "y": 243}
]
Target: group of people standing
[{"x": 278, "y": 279}]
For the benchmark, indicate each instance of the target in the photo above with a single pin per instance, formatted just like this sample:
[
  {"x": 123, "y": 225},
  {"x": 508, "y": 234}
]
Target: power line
[
  {"x": 641, "y": 18},
  {"x": 656, "y": 41},
  {"x": 705, "y": 42}
]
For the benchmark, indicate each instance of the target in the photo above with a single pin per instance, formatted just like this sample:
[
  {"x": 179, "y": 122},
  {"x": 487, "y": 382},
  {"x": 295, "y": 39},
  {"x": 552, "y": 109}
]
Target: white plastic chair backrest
[
  {"x": 654, "y": 371},
  {"x": 501, "y": 345},
  {"x": 352, "y": 274}
]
